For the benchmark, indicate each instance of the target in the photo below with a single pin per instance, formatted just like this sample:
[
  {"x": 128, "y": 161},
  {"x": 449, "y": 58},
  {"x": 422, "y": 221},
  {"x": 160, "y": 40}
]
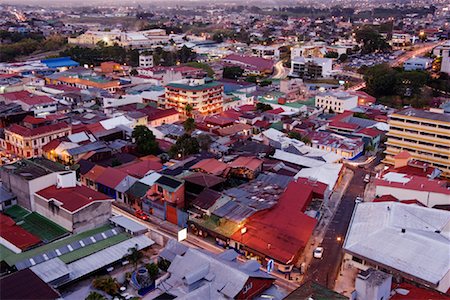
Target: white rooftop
[
  {"x": 326, "y": 173},
  {"x": 116, "y": 121},
  {"x": 422, "y": 251}
]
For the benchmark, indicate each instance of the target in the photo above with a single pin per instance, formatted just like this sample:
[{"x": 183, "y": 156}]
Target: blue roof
[{"x": 60, "y": 62}]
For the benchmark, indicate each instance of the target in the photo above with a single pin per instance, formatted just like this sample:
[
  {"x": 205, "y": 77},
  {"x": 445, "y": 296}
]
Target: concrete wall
[
  {"x": 10, "y": 246},
  {"x": 426, "y": 198},
  {"x": 60, "y": 216},
  {"x": 92, "y": 216}
]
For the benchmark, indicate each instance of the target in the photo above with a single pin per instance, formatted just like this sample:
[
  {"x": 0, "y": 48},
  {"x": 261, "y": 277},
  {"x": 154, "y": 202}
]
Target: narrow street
[{"x": 324, "y": 271}]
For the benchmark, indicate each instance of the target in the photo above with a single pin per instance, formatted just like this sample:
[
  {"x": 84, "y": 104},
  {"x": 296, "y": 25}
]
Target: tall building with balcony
[
  {"x": 204, "y": 96},
  {"x": 424, "y": 134}
]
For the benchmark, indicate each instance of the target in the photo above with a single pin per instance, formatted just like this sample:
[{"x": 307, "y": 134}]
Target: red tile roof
[
  {"x": 94, "y": 173},
  {"x": 416, "y": 293},
  {"x": 344, "y": 125},
  {"x": 140, "y": 168},
  {"x": 402, "y": 155},
  {"x": 211, "y": 166},
  {"x": 28, "y": 98},
  {"x": 33, "y": 120},
  {"x": 51, "y": 145},
  {"x": 249, "y": 162},
  {"x": 63, "y": 87},
  {"x": 284, "y": 230},
  {"x": 372, "y": 132},
  {"x": 15, "y": 234},
  {"x": 111, "y": 177},
  {"x": 262, "y": 124},
  {"x": 259, "y": 63},
  {"x": 29, "y": 132},
  {"x": 418, "y": 183},
  {"x": 275, "y": 111},
  {"x": 73, "y": 198}
]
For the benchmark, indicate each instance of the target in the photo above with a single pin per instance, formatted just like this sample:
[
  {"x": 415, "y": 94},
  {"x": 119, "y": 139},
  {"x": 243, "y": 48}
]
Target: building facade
[
  {"x": 424, "y": 134},
  {"x": 337, "y": 102},
  {"x": 201, "y": 96}
]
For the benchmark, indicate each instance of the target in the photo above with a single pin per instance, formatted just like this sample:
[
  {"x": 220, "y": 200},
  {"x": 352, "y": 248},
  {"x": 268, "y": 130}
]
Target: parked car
[
  {"x": 318, "y": 252},
  {"x": 359, "y": 199},
  {"x": 141, "y": 215},
  {"x": 367, "y": 178}
]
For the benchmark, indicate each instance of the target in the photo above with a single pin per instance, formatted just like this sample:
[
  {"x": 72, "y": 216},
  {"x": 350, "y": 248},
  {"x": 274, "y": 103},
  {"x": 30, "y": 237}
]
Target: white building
[
  {"x": 443, "y": 51},
  {"x": 311, "y": 67},
  {"x": 336, "y": 101},
  {"x": 268, "y": 52},
  {"x": 405, "y": 240},
  {"x": 145, "y": 60},
  {"x": 417, "y": 64}
]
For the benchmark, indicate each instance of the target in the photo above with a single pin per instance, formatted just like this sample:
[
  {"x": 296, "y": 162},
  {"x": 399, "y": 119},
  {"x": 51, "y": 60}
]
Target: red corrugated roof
[
  {"x": 16, "y": 235},
  {"x": 372, "y": 132},
  {"x": 28, "y": 132},
  {"x": 33, "y": 120},
  {"x": 345, "y": 125},
  {"x": 211, "y": 166},
  {"x": 51, "y": 145},
  {"x": 141, "y": 168},
  {"x": 72, "y": 198},
  {"x": 284, "y": 230},
  {"x": 416, "y": 293},
  {"x": 111, "y": 177},
  {"x": 418, "y": 183},
  {"x": 27, "y": 98},
  {"x": 249, "y": 162},
  {"x": 259, "y": 63}
]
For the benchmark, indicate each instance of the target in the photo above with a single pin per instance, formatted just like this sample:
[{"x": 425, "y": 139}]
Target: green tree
[
  {"x": 107, "y": 284},
  {"x": 185, "y": 145},
  {"x": 95, "y": 296},
  {"x": 380, "y": 80},
  {"x": 371, "y": 39},
  {"x": 145, "y": 140},
  {"x": 209, "y": 71},
  {"x": 303, "y": 138},
  {"x": 204, "y": 141},
  {"x": 343, "y": 57},
  {"x": 134, "y": 256},
  {"x": 189, "y": 125},
  {"x": 134, "y": 72},
  {"x": 153, "y": 270},
  {"x": 163, "y": 264},
  {"x": 331, "y": 54},
  {"x": 410, "y": 83},
  {"x": 263, "y": 106},
  {"x": 232, "y": 72},
  {"x": 188, "y": 108},
  {"x": 185, "y": 54}
]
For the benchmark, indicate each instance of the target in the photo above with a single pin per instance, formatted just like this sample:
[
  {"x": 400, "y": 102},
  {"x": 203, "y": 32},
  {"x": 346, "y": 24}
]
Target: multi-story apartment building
[
  {"x": 443, "y": 51},
  {"x": 204, "y": 97},
  {"x": 337, "y": 101},
  {"x": 27, "y": 140},
  {"x": 311, "y": 67},
  {"x": 424, "y": 134}
]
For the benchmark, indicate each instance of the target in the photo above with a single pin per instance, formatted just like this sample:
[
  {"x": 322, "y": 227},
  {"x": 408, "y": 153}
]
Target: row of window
[{"x": 421, "y": 123}]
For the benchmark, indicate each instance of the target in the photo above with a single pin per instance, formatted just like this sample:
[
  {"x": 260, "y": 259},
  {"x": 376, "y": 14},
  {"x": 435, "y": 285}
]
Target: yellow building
[
  {"x": 424, "y": 134},
  {"x": 203, "y": 97}
]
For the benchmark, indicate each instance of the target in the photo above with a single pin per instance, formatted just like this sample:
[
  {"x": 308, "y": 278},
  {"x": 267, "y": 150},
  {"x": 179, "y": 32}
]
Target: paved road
[
  {"x": 280, "y": 72},
  {"x": 419, "y": 50},
  {"x": 324, "y": 271}
]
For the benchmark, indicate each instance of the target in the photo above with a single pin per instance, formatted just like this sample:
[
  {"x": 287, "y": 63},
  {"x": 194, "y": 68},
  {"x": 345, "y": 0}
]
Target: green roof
[
  {"x": 277, "y": 126},
  {"x": 36, "y": 224},
  {"x": 13, "y": 259},
  {"x": 138, "y": 189},
  {"x": 90, "y": 249},
  {"x": 5, "y": 252},
  {"x": 194, "y": 87},
  {"x": 313, "y": 290},
  {"x": 274, "y": 100}
]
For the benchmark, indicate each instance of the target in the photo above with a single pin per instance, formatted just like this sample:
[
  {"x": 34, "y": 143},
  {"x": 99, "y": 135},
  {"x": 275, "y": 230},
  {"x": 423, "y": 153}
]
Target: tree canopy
[
  {"x": 145, "y": 140},
  {"x": 185, "y": 145}
]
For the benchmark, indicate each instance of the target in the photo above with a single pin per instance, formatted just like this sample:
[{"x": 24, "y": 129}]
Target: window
[
  {"x": 247, "y": 287},
  {"x": 357, "y": 259}
]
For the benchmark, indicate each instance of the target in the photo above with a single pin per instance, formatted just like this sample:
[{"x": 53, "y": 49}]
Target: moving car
[
  {"x": 141, "y": 215},
  {"x": 318, "y": 252}
]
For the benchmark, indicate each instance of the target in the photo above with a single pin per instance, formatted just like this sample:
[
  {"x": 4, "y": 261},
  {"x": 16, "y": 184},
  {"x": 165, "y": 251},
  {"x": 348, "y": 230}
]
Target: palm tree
[
  {"x": 189, "y": 125},
  {"x": 95, "y": 296},
  {"x": 188, "y": 108},
  {"x": 107, "y": 284},
  {"x": 134, "y": 255}
]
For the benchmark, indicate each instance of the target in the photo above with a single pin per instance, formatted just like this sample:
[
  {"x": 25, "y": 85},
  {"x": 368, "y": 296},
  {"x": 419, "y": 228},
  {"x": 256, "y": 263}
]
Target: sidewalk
[
  {"x": 345, "y": 282},
  {"x": 328, "y": 211}
]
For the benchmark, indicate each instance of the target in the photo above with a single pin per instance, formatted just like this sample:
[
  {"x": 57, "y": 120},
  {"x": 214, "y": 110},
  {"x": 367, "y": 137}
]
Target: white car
[
  {"x": 318, "y": 252},
  {"x": 359, "y": 199},
  {"x": 367, "y": 178}
]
